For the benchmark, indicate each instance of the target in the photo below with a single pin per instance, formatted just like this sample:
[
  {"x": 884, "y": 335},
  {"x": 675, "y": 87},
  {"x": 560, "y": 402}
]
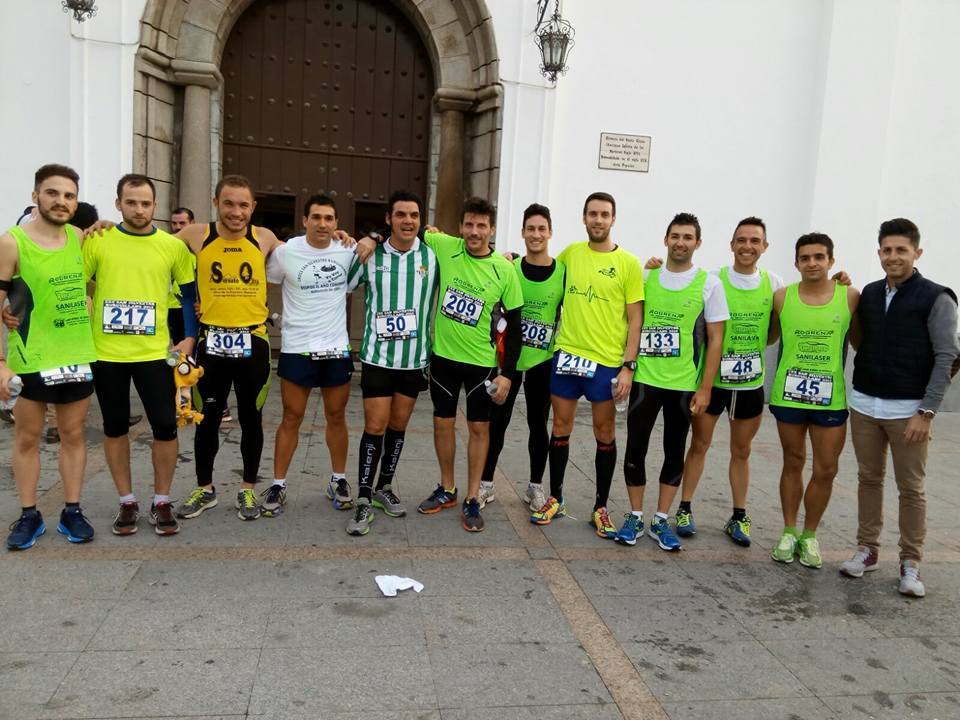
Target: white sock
[
  {"x": 338, "y": 476},
  {"x": 158, "y": 499},
  {"x": 660, "y": 516},
  {"x": 282, "y": 482},
  {"x": 534, "y": 485},
  {"x": 128, "y": 498},
  {"x": 638, "y": 513},
  {"x": 486, "y": 483}
]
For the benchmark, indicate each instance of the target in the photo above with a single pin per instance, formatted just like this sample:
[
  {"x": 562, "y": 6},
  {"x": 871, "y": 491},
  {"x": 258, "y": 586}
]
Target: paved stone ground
[{"x": 281, "y": 618}]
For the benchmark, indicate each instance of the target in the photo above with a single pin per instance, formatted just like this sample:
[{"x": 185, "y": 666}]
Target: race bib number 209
[{"x": 461, "y": 307}]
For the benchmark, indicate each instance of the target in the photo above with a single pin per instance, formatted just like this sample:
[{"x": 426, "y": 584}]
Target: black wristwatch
[{"x": 630, "y": 365}]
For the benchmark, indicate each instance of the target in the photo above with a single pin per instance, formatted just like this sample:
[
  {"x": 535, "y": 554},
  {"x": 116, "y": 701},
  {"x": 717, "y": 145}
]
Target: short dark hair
[
  {"x": 404, "y": 196},
  {"x": 479, "y": 206},
  {"x": 752, "y": 220},
  {"x": 185, "y": 210},
  {"x": 537, "y": 209},
  {"x": 814, "y": 238},
  {"x": 900, "y": 226},
  {"x": 606, "y": 197},
  {"x": 238, "y": 181},
  {"x": 321, "y": 199},
  {"x": 54, "y": 170},
  {"x": 85, "y": 216},
  {"x": 135, "y": 180},
  {"x": 685, "y": 218}
]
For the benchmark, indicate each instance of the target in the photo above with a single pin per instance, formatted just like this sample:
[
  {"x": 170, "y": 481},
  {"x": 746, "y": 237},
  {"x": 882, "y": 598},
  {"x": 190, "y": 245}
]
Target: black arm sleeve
[{"x": 512, "y": 342}]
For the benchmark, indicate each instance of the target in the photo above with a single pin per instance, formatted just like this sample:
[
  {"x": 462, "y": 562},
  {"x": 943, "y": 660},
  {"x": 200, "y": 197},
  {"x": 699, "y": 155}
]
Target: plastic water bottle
[
  {"x": 621, "y": 404},
  {"x": 491, "y": 387},
  {"x": 173, "y": 357},
  {"x": 15, "y": 386}
]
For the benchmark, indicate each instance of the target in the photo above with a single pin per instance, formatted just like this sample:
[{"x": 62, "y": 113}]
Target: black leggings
[
  {"x": 645, "y": 404},
  {"x": 155, "y": 386},
  {"x": 536, "y": 390},
  {"x": 250, "y": 378}
]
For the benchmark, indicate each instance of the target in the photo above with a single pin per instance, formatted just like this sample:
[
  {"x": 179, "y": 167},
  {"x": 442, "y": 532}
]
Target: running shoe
[
  {"x": 786, "y": 549},
  {"x": 602, "y": 525},
  {"x": 247, "y": 507},
  {"x": 125, "y": 523},
  {"x": 808, "y": 552},
  {"x": 6, "y": 414},
  {"x": 631, "y": 530},
  {"x": 440, "y": 499},
  {"x": 548, "y": 511},
  {"x": 910, "y": 584},
  {"x": 198, "y": 501},
  {"x": 472, "y": 519},
  {"x": 52, "y": 436},
  {"x": 663, "y": 535},
  {"x": 686, "y": 527},
  {"x": 739, "y": 531},
  {"x": 274, "y": 498},
  {"x": 534, "y": 496},
  {"x": 362, "y": 517},
  {"x": 864, "y": 560},
  {"x": 163, "y": 520},
  {"x": 386, "y": 500},
  {"x": 25, "y": 530},
  {"x": 485, "y": 495},
  {"x": 338, "y": 490},
  {"x": 75, "y": 526}
]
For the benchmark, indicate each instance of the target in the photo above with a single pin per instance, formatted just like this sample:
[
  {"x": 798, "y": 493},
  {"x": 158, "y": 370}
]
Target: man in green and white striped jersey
[{"x": 400, "y": 282}]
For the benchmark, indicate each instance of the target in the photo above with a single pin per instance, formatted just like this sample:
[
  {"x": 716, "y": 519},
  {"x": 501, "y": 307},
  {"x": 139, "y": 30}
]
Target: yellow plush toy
[{"x": 186, "y": 373}]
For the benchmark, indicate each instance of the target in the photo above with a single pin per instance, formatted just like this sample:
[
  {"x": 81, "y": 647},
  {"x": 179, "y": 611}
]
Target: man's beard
[
  {"x": 46, "y": 215},
  {"x": 602, "y": 238},
  {"x": 133, "y": 226}
]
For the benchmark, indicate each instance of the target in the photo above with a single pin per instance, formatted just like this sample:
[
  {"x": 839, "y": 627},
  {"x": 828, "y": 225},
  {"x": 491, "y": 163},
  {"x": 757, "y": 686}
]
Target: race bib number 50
[
  {"x": 570, "y": 364},
  {"x": 461, "y": 307},
  {"x": 808, "y": 388},
  {"x": 396, "y": 325},
  {"x": 122, "y": 317},
  {"x": 229, "y": 342}
]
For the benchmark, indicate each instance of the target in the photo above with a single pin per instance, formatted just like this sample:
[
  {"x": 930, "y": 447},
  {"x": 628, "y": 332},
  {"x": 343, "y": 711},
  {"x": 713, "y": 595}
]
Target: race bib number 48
[
  {"x": 808, "y": 388},
  {"x": 569, "y": 364},
  {"x": 396, "y": 325},
  {"x": 67, "y": 374},
  {"x": 740, "y": 368},
  {"x": 461, "y": 307},
  {"x": 229, "y": 342},
  {"x": 660, "y": 341},
  {"x": 122, "y": 317},
  {"x": 536, "y": 334}
]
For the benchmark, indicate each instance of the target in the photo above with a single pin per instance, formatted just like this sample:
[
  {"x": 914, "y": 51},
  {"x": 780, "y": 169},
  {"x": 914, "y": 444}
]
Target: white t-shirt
[
  {"x": 714, "y": 299},
  {"x": 314, "y": 285},
  {"x": 750, "y": 282}
]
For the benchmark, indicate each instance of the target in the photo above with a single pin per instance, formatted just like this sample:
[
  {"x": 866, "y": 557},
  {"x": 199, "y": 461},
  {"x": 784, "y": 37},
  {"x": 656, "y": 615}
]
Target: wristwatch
[
  {"x": 927, "y": 414},
  {"x": 630, "y": 365}
]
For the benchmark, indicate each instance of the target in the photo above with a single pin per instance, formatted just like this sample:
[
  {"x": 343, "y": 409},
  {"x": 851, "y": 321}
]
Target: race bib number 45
[
  {"x": 122, "y": 317},
  {"x": 229, "y": 342},
  {"x": 808, "y": 388},
  {"x": 569, "y": 364},
  {"x": 660, "y": 341},
  {"x": 67, "y": 374},
  {"x": 740, "y": 368},
  {"x": 536, "y": 334},
  {"x": 396, "y": 324},
  {"x": 461, "y": 307}
]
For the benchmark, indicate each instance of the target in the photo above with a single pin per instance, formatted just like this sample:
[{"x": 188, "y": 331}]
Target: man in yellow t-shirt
[
  {"x": 596, "y": 350},
  {"x": 133, "y": 265}
]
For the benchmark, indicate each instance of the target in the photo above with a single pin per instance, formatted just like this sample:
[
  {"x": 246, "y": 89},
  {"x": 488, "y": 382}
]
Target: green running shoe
[
  {"x": 786, "y": 549},
  {"x": 808, "y": 550},
  {"x": 198, "y": 501}
]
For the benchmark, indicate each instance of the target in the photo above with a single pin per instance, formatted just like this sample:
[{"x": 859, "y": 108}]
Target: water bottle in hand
[
  {"x": 14, "y": 386},
  {"x": 621, "y": 404},
  {"x": 491, "y": 387}
]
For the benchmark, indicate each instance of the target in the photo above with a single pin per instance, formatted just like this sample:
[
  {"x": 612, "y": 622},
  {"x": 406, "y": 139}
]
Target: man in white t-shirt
[{"x": 315, "y": 345}]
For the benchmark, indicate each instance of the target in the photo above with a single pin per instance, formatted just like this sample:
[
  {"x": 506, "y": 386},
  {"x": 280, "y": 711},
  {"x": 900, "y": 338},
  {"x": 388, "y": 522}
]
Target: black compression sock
[
  {"x": 739, "y": 513},
  {"x": 685, "y": 505}
]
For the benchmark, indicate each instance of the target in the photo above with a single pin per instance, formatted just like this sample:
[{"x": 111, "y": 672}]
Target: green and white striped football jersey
[{"x": 400, "y": 296}]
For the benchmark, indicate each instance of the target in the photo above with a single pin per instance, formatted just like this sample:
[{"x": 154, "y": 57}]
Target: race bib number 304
[
  {"x": 122, "y": 317},
  {"x": 570, "y": 364},
  {"x": 742, "y": 368},
  {"x": 661, "y": 341},
  {"x": 229, "y": 342},
  {"x": 67, "y": 374},
  {"x": 808, "y": 388},
  {"x": 461, "y": 307},
  {"x": 396, "y": 325},
  {"x": 536, "y": 334}
]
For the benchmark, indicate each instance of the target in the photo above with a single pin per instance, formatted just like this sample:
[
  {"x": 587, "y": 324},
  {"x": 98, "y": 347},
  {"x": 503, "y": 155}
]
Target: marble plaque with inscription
[{"x": 624, "y": 152}]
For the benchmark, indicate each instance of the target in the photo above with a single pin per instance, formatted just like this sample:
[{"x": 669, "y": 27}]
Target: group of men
[{"x": 447, "y": 313}]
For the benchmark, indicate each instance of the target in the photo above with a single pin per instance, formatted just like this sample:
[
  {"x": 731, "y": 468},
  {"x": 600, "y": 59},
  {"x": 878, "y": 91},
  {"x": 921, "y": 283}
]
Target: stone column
[
  {"x": 451, "y": 103},
  {"x": 195, "y": 160}
]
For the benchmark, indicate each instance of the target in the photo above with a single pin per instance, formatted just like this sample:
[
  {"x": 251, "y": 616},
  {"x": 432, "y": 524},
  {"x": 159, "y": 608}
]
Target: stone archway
[{"x": 178, "y": 86}]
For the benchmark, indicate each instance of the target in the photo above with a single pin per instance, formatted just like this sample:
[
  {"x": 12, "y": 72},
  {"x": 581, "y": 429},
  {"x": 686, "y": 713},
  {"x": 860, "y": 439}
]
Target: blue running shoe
[
  {"x": 686, "y": 527},
  {"x": 25, "y": 531},
  {"x": 739, "y": 530},
  {"x": 75, "y": 526},
  {"x": 631, "y": 530},
  {"x": 662, "y": 534}
]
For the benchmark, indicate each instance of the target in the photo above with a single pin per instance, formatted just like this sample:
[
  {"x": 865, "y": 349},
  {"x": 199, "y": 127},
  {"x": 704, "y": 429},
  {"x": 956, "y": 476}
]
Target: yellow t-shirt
[
  {"x": 133, "y": 275},
  {"x": 599, "y": 287}
]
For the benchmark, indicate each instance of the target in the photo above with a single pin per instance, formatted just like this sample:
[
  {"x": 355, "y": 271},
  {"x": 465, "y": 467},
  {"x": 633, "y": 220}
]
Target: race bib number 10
[
  {"x": 461, "y": 307},
  {"x": 660, "y": 342},
  {"x": 808, "y": 388},
  {"x": 229, "y": 342},
  {"x": 67, "y": 374},
  {"x": 121, "y": 317},
  {"x": 569, "y": 364}
]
